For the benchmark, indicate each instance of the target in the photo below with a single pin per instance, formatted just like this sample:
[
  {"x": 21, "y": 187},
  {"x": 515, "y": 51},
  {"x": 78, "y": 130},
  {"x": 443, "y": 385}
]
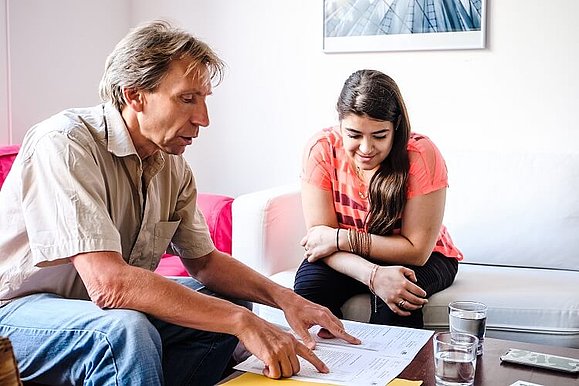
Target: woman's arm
[
  {"x": 421, "y": 222},
  {"x": 392, "y": 283}
]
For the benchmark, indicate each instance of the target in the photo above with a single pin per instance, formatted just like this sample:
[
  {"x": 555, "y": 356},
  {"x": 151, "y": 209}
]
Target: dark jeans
[
  {"x": 321, "y": 284},
  {"x": 195, "y": 357}
]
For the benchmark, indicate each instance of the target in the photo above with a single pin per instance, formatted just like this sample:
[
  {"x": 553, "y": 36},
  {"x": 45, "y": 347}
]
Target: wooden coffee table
[{"x": 489, "y": 369}]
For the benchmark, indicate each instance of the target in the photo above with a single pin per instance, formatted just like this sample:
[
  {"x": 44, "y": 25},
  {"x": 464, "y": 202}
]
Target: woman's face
[{"x": 366, "y": 141}]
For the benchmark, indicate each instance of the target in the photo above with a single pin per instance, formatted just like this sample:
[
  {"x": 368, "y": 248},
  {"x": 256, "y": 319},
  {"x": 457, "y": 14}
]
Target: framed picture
[{"x": 403, "y": 25}]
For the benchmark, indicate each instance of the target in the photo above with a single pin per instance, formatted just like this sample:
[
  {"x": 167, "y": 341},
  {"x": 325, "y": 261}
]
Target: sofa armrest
[{"x": 267, "y": 227}]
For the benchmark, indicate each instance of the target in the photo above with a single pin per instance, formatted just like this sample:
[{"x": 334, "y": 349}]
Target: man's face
[{"x": 172, "y": 114}]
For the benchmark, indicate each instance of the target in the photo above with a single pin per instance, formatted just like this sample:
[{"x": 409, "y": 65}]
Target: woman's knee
[
  {"x": 313, "y": 277},
  {"x": 437, "y": 274}
]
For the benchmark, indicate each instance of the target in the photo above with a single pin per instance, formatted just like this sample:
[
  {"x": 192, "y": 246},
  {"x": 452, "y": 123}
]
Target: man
[{"x": 93, "y": 199}]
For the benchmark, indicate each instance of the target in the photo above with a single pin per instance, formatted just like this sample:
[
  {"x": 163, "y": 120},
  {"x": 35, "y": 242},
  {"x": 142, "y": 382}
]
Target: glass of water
[
  {"x": 468, "y": 317},
  {"x": 454, "y": 358}
]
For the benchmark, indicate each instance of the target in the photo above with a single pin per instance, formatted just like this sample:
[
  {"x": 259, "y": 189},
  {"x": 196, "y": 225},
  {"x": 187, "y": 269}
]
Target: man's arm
[
  {"x": 111, "y": 283},
  {"x": 226, "y": 275}
]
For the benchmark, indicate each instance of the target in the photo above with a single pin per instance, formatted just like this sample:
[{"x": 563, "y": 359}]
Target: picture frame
[{"x": 403, "y": 25}]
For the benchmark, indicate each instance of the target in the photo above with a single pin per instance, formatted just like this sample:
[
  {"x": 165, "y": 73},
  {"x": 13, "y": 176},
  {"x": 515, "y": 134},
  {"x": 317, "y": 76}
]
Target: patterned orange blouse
[{"x": 327, "y": 166}]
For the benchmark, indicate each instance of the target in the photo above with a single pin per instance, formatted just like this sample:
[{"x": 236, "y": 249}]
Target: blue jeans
[{"x": 60, "y": 341}]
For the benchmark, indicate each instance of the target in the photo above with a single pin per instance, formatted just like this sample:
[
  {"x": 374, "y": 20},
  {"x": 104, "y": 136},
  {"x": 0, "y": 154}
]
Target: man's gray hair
[{"x": 142, "y": 58}]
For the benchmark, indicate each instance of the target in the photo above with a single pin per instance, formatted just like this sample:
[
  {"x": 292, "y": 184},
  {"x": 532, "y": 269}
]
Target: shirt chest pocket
[{"x": 164, "y": 231}]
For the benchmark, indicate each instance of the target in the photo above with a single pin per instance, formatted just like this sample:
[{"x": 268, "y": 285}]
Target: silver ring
[{"x": 401, "y": 303}]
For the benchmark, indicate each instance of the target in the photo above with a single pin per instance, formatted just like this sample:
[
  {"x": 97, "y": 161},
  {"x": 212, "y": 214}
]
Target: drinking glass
[
  {"x": 454, "y": 358},
  {"x": 468, "y": 317}
]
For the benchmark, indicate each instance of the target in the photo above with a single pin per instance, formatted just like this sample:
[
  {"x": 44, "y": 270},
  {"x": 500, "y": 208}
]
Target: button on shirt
[{"x": 77, "y": 186}]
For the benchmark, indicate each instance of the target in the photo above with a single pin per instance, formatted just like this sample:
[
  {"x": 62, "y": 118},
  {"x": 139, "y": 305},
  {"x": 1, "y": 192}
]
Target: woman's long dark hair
[{"x": 372, "y": 94}]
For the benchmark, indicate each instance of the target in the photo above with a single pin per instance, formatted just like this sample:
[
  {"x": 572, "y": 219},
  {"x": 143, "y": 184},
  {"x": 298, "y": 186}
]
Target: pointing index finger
[
  {"x": 304, "y": 352},
  {"x": 339, "y": 332}
]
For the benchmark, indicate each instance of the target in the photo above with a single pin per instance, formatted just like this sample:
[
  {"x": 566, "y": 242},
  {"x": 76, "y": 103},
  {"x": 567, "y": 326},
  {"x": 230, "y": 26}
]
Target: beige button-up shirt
[{"x": 78, "y": 185}]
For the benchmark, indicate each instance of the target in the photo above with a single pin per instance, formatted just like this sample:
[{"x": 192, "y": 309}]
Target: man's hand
[
  {"x": 279, "y": 350},
  {"x": 302, "y": 314}
]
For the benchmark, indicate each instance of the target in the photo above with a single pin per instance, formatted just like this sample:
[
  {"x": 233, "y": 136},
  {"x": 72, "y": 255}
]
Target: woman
[{"x": 373, "y": 196}]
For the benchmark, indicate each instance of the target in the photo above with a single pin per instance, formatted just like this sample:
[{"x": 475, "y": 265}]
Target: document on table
[
  {"x": 385, "y": 351},
  {"x": 250, "y": 379}
]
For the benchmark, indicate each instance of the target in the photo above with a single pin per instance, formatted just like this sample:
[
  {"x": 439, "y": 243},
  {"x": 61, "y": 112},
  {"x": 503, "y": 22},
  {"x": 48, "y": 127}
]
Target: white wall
[
  {"x": 57, "y": 54},
  {"x": 277, "y": 90},
  {"x": 519, "y": 94},
  {"x": 5, "y": 133}
]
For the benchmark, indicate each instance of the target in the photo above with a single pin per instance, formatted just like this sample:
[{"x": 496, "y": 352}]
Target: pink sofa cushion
[
  {"x": 7, "y": 155},
  {"x": 217, "y": 211}
]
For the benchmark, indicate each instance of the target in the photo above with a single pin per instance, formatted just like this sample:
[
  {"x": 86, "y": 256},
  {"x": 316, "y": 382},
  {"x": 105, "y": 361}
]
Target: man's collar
[
  {"x": 119, "y": 139},
  {"x": 120, "y": 142}
]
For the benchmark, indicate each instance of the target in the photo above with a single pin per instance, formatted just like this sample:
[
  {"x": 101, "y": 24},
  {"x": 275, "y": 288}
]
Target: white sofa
[{"x": 515, "y": 217}]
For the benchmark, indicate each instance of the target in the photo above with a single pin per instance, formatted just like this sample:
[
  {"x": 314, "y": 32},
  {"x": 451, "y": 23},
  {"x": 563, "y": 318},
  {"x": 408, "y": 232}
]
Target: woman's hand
[
  {"x": 395, "y": 285},
  {"x": 319, "y": 242}
]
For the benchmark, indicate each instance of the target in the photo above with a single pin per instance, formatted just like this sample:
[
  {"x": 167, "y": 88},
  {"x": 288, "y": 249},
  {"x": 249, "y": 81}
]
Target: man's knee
[
  {"x": 197, "y": 286},
  {"x": 130, "y": 328}
]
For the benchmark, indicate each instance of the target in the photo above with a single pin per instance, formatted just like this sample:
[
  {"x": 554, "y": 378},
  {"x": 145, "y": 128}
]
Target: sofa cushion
[
  {"x": 546, "y": 312},
  {"x": 514, "y": 209},
  {"x": 7, "y": 155},
  {"x": 217, "y": 211},
  {"x": 526, "y": 304}
]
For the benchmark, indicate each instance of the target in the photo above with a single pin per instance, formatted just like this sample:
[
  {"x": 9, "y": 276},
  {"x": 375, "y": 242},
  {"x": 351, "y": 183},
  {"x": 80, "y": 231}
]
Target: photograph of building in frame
[{"x": 401, "y": 25}]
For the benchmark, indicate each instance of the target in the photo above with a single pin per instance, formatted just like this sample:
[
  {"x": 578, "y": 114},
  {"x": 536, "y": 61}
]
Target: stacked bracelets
[{"x": 360, "y": 242}]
